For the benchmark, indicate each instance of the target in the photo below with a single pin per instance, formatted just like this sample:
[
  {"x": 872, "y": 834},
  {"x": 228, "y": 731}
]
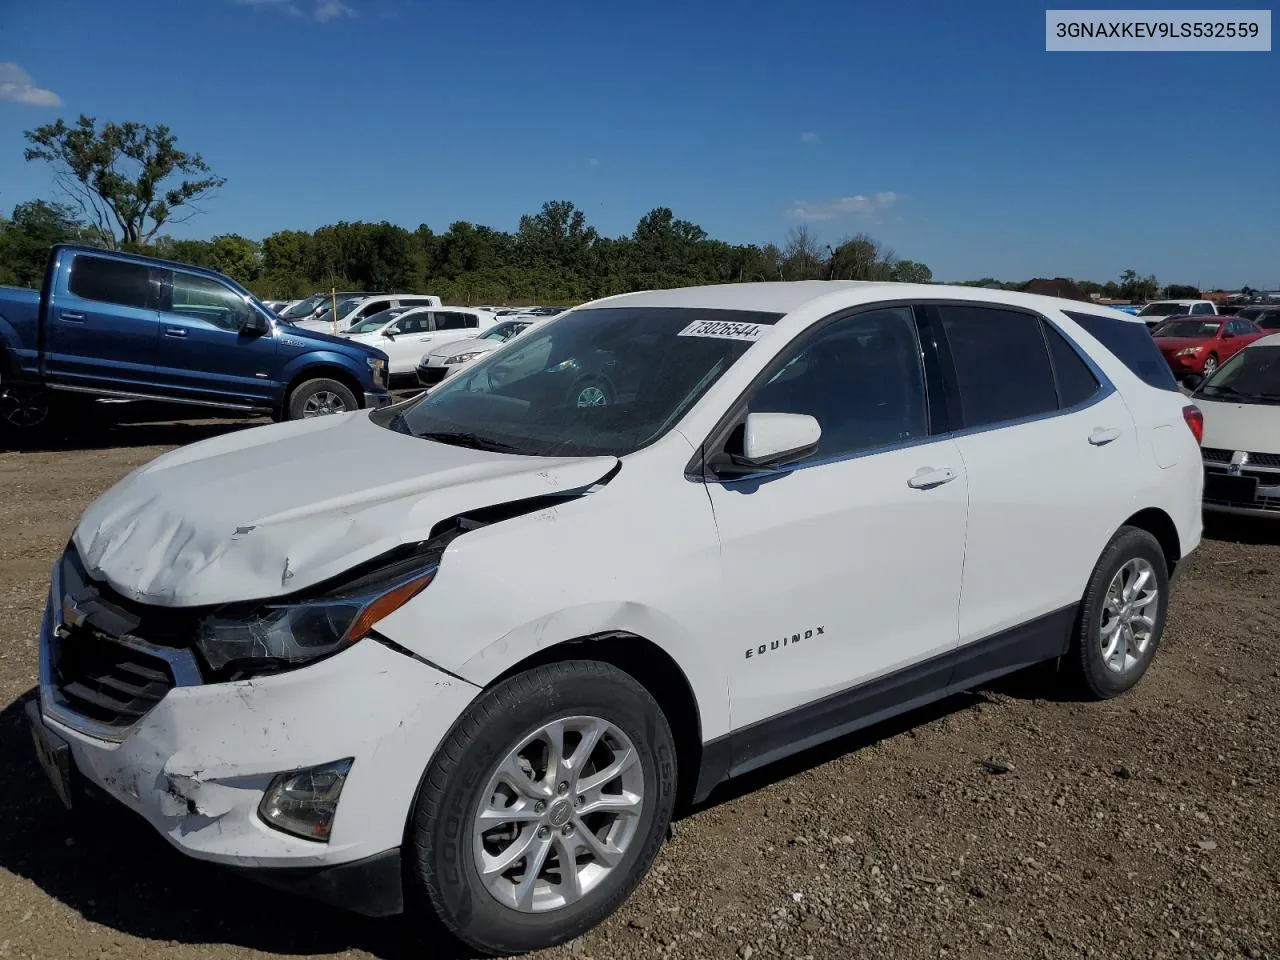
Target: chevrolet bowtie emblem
[{"x": 1239, "y": 459}]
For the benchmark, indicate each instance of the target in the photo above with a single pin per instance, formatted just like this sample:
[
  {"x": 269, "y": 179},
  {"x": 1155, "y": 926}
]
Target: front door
[
  {"x": 407, "y": 340},
  {"x": 846, "y": 567},
  {"x": 205, "y": 354}
]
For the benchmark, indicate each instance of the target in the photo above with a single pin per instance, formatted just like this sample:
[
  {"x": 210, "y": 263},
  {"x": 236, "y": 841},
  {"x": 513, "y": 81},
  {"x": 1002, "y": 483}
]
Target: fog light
[{"x": 304, "y": 802}]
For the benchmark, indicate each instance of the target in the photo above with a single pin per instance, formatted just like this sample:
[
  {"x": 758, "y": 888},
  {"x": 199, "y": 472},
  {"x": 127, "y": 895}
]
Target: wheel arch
[
  {"x": 655, "y": 670},
  {"x": 1161, "y": 526},
  {"x": 322, "y": 371}
]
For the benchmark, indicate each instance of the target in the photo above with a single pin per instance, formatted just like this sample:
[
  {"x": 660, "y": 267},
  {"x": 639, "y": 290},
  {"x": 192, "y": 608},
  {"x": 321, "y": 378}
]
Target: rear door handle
[
  {"x": 927, "y": 478},
  {"x": 1101, "y": 436},
  {"x": 175, "y": 332},
  {"x": 70, "y": 317}
]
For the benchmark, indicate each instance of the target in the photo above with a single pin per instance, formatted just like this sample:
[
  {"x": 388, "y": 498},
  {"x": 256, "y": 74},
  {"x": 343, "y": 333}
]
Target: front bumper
[
  {"x": 196, "y": 765},
  {"x": 429, "y": 375},
  {"x": 373, "y": 401}
]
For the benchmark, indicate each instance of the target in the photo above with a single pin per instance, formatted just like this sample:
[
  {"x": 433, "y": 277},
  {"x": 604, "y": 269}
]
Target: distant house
[{"x": 1058, "y": 287}]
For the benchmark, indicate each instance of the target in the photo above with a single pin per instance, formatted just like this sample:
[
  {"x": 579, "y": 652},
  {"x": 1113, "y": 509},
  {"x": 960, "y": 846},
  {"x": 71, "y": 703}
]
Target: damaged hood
[{"x": 275, "y": 509}]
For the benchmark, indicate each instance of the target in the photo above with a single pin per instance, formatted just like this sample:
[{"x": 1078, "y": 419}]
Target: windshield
[
  {"x": 1188, "y": 328},
  {"x": 1162, "y": 310},
  {"x": 376, "y": 322},
  {"x": 503, "y": 332},
  {"x": 597, "y": 382},
  {"x": 346, "y": 306},
  {"x": 1252, "y": 374},
  {"x": 303, "y": 308}
]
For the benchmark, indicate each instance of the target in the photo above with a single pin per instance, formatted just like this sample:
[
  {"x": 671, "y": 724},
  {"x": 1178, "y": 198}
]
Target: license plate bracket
[
  {"x": 53, "y": 753},
  {"x": 1230, "y": 489}
]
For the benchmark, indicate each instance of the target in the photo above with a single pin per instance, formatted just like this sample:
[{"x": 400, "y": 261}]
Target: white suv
[
  {"x": 1159, "y": 311},
  {"x": 798, "y": 509}
]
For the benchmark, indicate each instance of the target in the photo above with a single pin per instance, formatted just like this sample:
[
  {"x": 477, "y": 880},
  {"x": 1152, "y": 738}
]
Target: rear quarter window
[{"x": 1131, "y": 344}]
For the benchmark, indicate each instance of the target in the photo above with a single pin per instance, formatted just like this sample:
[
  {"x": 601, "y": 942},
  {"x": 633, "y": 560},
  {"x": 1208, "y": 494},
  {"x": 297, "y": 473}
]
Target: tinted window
[
  {"x": 456, "y": 321},
  {"x": 415, "y": 323},
  {"x": 1189, "y": 328},
  {"x": 1076, "y": 382},
  {"x": 1268, "y": 321},
  {"x": 1161, "y": 310},
  {"x": 1002, "y": 365},
  {"x": 860, "y": 377},
  {"x": 1131, "y": 344},
  {"x": 1202, "y": 308},
  {"x": 110, "y": 281}
]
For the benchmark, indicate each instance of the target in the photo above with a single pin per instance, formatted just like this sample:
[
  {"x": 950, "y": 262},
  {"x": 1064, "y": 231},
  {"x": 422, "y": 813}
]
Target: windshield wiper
[
  {"x": 1229, "y": 390},
  {"x": 459, "y": 439}
]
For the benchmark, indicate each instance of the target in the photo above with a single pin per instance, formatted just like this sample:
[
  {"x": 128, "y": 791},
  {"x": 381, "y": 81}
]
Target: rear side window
[
  {"x": 1076, "y": 382},
  {"x": 1002, "y": 365},
  {"x": 1132, "y": 345},
  {"x": 456, "y": 321},
  {"x": 1202, "y": 309},
  {"x": 111, "y": 281}
]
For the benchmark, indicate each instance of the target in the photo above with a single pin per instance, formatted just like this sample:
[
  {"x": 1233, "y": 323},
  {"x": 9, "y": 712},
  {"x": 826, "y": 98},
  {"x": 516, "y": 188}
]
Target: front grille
[
  {"x": 1219, "y": 455},
  {"x": 430, "y": 376},
  {"x": 111, "y": 660},
  {"x": 106, "y": 681},
  {"x": 1258, "y": 503}
]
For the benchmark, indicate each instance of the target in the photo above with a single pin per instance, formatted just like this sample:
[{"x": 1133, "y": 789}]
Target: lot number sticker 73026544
[{"x": 724, "y": 330}]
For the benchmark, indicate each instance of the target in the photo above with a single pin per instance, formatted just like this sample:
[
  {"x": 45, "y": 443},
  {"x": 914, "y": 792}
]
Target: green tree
[
  {"x": 237, "y": 257},
  {"x": 128, "y": 179},
  {"x": 1182, "y": 291},
  {"x": 26, "y": 238},
  {"x": 909, "y": 271}
]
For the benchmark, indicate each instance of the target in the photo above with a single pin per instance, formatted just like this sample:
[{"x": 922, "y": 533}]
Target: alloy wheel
[
  {"x": 559, "y": 814},
  {"x": 322, "y": 403},
  {"x": 24, "y": 407},
  {"x": 592, "y": 396},
  {"x": 1129, "y": 615}
]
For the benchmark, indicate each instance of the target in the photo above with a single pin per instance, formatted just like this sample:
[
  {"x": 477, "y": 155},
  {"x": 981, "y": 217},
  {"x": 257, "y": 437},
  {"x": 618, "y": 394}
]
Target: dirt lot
[{"x": 1006, "y": 823}]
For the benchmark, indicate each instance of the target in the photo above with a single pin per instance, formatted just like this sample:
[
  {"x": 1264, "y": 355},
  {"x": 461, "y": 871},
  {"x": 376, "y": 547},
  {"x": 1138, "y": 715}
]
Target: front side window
[
  {"x": 860, "y": 377},
  {"x": 111, "y": 281},
  {"x": 1201, "y": 309},
  {"x": 203, "y": 299},
  {"x": 376, "y": 322},
  {"x": 414, "y": 323},
  {"x": 502, "y": 332},
  {"x": 1252, "y": 375},
  {"x": 603, "y": 381},
  {"x": 1161, "y": 310},
  {"x": 1002, "y": 366}
]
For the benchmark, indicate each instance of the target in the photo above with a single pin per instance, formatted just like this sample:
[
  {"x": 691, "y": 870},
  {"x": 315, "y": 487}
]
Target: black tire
[
  {"x": 312, "y": 391},
  {"x": 580, "y": 390},
  {"x": 25, "y": 408},
  {"x": 440, "y": 867},
  {"x": 1093, "y": 677}
]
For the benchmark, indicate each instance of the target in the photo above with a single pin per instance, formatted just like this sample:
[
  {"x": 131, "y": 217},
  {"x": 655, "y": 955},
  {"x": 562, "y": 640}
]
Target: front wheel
[
  {"x": 1210, "y": 365},
  {"x": 24, "y": 407},
  {"x": 544, "y": 807},
  {"x": 318, "y": 398}
]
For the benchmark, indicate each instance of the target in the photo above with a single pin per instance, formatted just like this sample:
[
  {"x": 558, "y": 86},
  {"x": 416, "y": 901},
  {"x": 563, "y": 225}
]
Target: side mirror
[
  {"x": 255, "y": 324},
  {"x": 771, "y": 440},
  {"x": 1227, "y": 335},
  {"x": 390, "y": 335}
]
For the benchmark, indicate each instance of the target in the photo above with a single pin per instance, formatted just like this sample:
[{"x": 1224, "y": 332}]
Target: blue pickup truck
[{"x": 112, "y": 324}]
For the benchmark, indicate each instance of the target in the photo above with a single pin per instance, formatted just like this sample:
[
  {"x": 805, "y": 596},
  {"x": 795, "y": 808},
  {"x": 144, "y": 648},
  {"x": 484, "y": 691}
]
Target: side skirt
[{"x": 765, "y": 741}]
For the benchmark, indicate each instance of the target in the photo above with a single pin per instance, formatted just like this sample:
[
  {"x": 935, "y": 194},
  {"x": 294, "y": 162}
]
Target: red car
[{"x": 1199, "y": 345}]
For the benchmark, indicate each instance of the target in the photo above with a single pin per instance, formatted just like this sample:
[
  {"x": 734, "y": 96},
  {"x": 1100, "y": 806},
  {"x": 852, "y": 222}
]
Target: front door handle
[
  {"x": 70, "y": 317},
  {"x": 175, "y": 332},
  {"x": 927, "y": 478},
  {"x": 1101, "y": 436}
]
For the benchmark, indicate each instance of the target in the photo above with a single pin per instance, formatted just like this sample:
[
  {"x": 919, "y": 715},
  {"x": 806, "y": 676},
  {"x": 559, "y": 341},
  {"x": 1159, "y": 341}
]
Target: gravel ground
[{"x": 1005, "y": 823}]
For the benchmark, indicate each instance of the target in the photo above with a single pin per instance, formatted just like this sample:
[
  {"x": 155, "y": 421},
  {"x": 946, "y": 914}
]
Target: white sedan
[
  {"x": 439, "y": 362},
  {"x": 403, "y": 334},
  {"x": 1241, "y": 404}
]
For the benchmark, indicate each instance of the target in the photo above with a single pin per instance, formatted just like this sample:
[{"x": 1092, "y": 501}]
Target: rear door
[
  {"x": 204, "y": 353},
  {"x": 450, "y": 325},
  {"x": 1048, "y": 446},
  {"x": 101, "y": 327}
]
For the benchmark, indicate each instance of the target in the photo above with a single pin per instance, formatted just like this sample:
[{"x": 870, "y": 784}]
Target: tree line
[{"x": 124, "y": 184}]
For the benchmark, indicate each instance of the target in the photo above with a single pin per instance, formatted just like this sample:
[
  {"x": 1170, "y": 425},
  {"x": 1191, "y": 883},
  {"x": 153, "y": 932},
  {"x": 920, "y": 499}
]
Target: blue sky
[{"x": 944, "y": 130}]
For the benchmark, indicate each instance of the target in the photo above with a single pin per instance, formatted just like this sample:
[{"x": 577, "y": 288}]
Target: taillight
[{"x": 1195, "y": 420}]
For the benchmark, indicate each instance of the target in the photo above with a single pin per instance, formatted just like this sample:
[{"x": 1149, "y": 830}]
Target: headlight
[
  {"x": 378, "y": 366},
  {"x": 1188, "y": 352},
  {"x": 569, "y": 364},
  {"x": 464, "y": 357},
  {"x": 295, "y": 633}
]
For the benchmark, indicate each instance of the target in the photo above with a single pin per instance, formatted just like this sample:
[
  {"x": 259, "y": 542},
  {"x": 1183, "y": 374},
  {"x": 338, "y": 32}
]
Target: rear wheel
[
  {"x": 1122, "y": 618},
  {"x": 543, "y": 808},
  {"x": 24, "y": 407},
  {"x": 318, "y": 398}
]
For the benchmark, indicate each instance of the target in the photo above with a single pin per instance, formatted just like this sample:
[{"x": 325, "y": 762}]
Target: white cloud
[
  {"x": 809, "y": 137},
  {"x": 16, "y": 87},
  {"x": 326, "y": 10},
  {"x": 323, "y": 11},
  {"x": 855, "y": 205}
]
